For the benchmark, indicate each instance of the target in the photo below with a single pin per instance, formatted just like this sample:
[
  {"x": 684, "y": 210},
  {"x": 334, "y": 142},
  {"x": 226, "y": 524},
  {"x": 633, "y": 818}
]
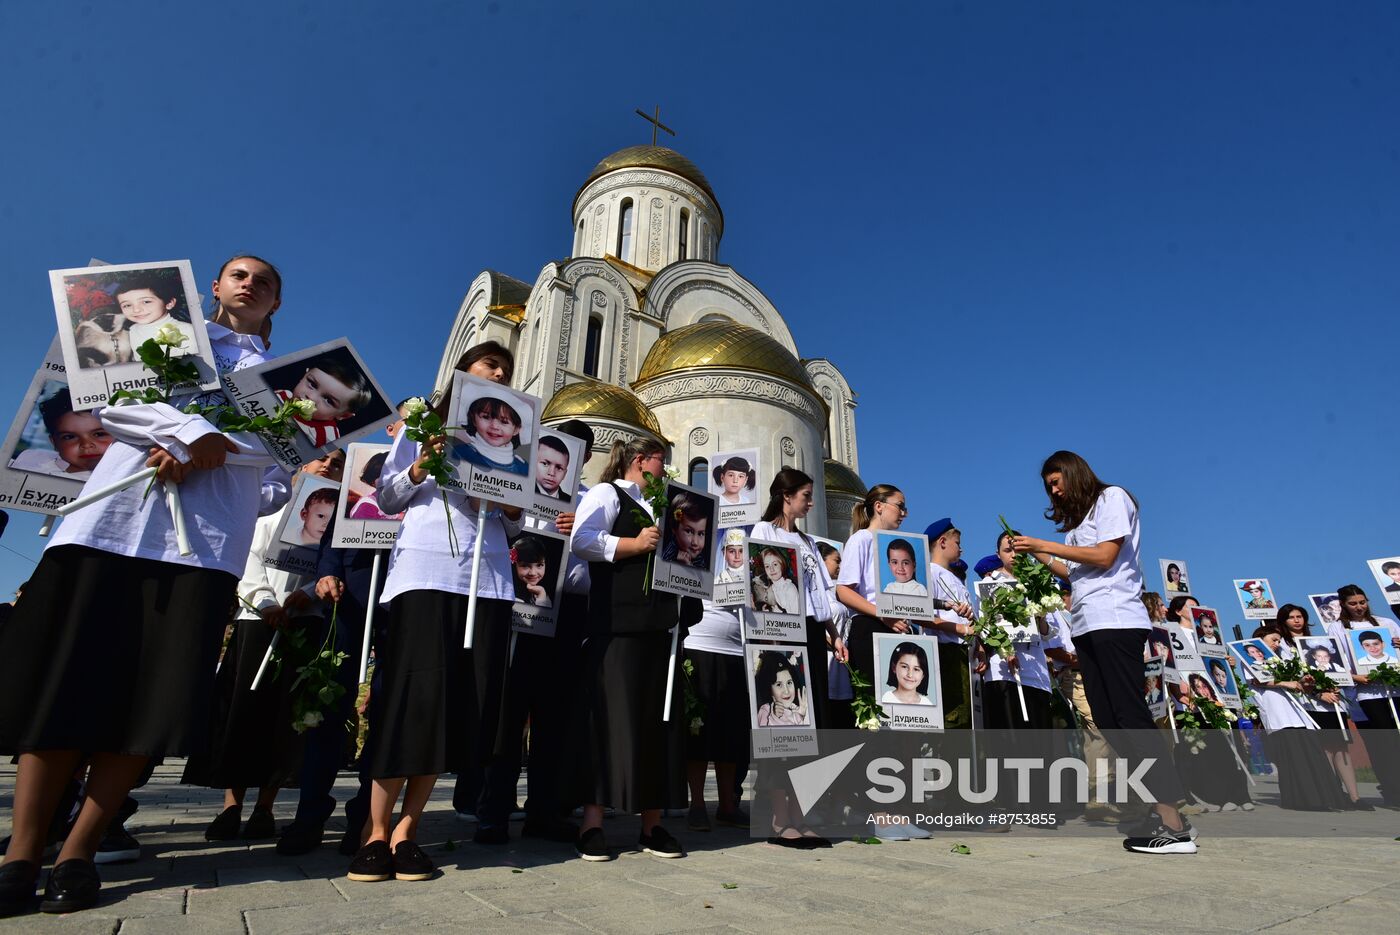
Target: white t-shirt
[
  {"x": 719, "y": 631},
  {"x": 1108, "y": 598},
  {"x": 858, "y": 564},
  {"x": 1276, "y": 711},
  {"x": 816, "y": 581},
  {"x": 1388, "y": 629},
  {"x": 942, "y": 583}
]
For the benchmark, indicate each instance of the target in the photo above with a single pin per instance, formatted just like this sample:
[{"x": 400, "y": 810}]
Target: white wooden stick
[
  {"x": 104, "y": 492},
  {"x": 1239, "y": 762},
  {"x": 267, "y": 657},
  {"x": 1021, "y": 694},
  {"x": 1393, "y": 719},
  {"x": 49, "y": 520},
  {"x": 1346, "y": 738},
  {"x": 177, "y": 516},
  {"x": 476, "y": 573},
  {"x": 671, "y": 673},
  {"x": 369, "y": 613}
]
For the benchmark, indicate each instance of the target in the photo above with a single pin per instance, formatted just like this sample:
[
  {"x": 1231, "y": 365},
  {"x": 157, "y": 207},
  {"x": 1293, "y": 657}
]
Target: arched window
[
  {"x": 578, "y": 244},
  {"x": 592, "y": 344},
  {"x": 685, "y": 234},
  {"x": 698, "y": 472},
  {"x": 624, "y": 232}
]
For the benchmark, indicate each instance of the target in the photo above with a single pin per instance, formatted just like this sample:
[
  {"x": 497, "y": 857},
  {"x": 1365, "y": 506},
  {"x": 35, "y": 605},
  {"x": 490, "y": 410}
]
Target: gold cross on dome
[{"x": 655, "y": 121}]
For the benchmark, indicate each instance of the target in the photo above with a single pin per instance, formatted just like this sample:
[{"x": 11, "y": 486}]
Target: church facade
[{"x": 644, "y": 332}]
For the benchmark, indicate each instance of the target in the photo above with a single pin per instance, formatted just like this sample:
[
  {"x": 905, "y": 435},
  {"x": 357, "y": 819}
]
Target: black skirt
[
  {"x": 112, "y": 654},
  {"x": 1332, "y": 737},
  {"x": 1306, "y": 782},
  {"x": 629, "y": 758},
  {"x": 1212, "y": 775},
  {"x": 720, "y": 684},
  {"x": 439, "y": 708},
  {"x": 251, "y": 740}
]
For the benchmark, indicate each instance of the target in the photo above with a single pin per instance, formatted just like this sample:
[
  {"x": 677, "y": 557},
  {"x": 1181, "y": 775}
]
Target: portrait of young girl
[
  {"x": 530, "y": 564},
  {"x": 1207, "y": 626},
  {"x": 780, "y": 689},
  {"x": 687, "y": 530},
  {"x": 492, "y": 436},
  {"x": 64, "y": 443},
  {"x": 734, "y": 480},
  {"x": 907, "y": 675},
  {"x": 774, "y": 578}
]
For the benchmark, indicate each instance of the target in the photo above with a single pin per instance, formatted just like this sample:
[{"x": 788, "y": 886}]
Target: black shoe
[
  {"x": 117, "y": 846},
  {"x": 300, "y": 839},
  {"x": 350, "y": 842},
  {"x": 1162, "y": 840},
  {"x": 73, "y": 886},
  {"x": 1360, "y": 805},
  {"x": 660, "y": 843},
  {"x": 260, "y": 826},
  {"x": 550, "y": 829},
  {"x": 18, "y": 879},
  {"x": 373, "y": 863},
  {"x": 592, "y": 845},
  {"x": 410, "y": 863},
  {"x": 225, "y": 827},
  {"x": 1149, "y": 825},
  {"x": 490, "y": 834}
]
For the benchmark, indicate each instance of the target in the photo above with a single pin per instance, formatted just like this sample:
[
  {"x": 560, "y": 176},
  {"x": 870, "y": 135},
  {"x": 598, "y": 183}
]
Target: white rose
[
  {"x": 415, "y": 406},
  {"x": 672, "y": 471},
  {"x": 311, "y": 719},
  {"x": 170, "y": 336},
  {"x": 303, "y": 407}
]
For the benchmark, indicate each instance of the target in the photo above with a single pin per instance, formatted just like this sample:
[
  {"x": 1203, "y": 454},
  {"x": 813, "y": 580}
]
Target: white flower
[
  {"x": 414, "y": 406},
  {"x": 311, "y": 719},
  {"x": 672, "y": 472},
  {"x": 170, "y": 336},
  {"x": 870, "y": 723},
  {"x": 302, "y": 407}
]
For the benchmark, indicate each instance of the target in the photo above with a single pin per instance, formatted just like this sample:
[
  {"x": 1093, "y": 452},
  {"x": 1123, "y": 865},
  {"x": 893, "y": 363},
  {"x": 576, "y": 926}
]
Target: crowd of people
[{"x": 116, "y": 656}]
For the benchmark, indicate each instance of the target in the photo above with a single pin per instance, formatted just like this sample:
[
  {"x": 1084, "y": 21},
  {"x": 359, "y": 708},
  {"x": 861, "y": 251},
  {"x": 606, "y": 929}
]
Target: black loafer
[
  {"x": 373, "y": 863},
  {"x": 660, "y": 843},
  {"x": 300, "y": 839},
  {"x": 73, "y": 886},
  {"x": 260, "y": 826},
  {"x": 17, "y": 881},
  {"x": 225, "y": 826},
  {"x": 410, "y": 863}
]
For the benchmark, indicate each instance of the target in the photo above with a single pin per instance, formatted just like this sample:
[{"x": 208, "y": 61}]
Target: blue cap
[
  {"x": 937, "y": 528},
  {"x": 987, "y": 565}
]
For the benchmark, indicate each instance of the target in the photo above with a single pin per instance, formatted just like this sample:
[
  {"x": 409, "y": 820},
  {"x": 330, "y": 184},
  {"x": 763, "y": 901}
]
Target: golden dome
[
  {"x": 840, "y": 479},
  {"x": 650, "y": 157},
  {"x": 595, "y": 399},
  {"x": 722, "y": 344}
]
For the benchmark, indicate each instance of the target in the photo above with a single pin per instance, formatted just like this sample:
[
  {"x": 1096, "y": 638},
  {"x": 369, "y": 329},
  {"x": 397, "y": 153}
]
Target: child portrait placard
[
  {"x": 731, "y": 568},
  {"x": 51, "y": 447},
  {"x": 493, "y": 439},
  {"x": 908, "y": 693},
  {"x": 1018, "y": 634},
  {"x": 733, "y": 479},
  {"x": 1322, "y": 652},
  {"x": 1252, "y": 655},
  {"x": 1256, "y": 598},
  {"x": 684, "y": 562},
  {"x": 1206, "y": 623},
  {"x": 775, "y": 593},
  {"x": 1328, "y": 607},
  {"x": 1175, "y": 583},
  {"x": 349, "y": 402},
  {"x": 538, "y": 563},
  {"x": 781, "y": 709},
  {"x": 1371, "y": 647},
  {"x": 360, "y": 524},
  {"x": 304, "y": 520},
  {"x": 901, "y": 564},
  {"x": 1159, "y": 642},
  {"x": 558, "y": 465},
  {"x": 1387, "y": 574},
  {"x": 1154, "y": 689},
  {"x": 105, "y": 314},
  {"x": 1222, "y": 680}
]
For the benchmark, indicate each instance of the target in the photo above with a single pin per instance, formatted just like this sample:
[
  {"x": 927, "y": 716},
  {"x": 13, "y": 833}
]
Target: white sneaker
[
  {"x": 1229, "y": 807},
  {"x": 1162, "y": 840},
  {"x": 1247, "y": 806},
  {"x": 893, "y": 831}
]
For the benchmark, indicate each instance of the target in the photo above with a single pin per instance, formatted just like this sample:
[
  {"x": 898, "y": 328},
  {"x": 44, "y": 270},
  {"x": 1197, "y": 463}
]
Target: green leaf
[
  {"x": 516, "y": 870},
  {"x": 871, "y": 840},
  {"x": 449, "y": 845},
  {"x": 960, "y": 849},
  {"x": 730, "y": 886}
]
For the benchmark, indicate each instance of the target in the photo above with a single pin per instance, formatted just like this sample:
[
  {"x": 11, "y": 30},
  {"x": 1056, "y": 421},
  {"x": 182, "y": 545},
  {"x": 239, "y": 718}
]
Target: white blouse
[
  {"x": 220, "y": 506},
  {"x": 1389, "y": 630},
  {"x": 422, "y": 559},
  {"x": 262, "y": 585},
  {"x": 816, "y": 580},
  {"x": 858, "y": 564},
  {"x": 593, "y": 539}
]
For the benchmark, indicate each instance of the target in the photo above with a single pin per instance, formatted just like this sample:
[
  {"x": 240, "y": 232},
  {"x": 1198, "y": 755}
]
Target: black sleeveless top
[{"x": 620, "y": 599}]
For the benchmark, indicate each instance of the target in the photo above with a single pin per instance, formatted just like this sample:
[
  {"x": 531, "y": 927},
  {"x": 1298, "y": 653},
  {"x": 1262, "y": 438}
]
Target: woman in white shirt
[
  {"x": 1110, "y": 628},
  {"x": 438, "y": 707},
  {"x": 1375, "y": 701},
  {"x": 110, "y": 652}
]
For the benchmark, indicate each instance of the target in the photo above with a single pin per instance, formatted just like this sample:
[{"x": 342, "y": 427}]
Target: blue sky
[{"x": 1163, "y": 237}]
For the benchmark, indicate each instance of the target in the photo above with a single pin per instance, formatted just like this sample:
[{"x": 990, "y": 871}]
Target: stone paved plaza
[{"x": 1337, "y": 873}]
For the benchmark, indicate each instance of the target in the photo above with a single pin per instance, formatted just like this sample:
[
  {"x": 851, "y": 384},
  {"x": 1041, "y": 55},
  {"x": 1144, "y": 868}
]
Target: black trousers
[{"x": 1110, "y": 661}]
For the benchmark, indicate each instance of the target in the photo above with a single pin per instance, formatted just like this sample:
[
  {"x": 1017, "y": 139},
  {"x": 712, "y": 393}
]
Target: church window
[
  {"x": 578, "y": 244},
  {"x": 592, "y": 344},
  {"x": 624, "y": 232},
  {"x": 685, "y": 234},
  {"x": 698, "y": 472}
]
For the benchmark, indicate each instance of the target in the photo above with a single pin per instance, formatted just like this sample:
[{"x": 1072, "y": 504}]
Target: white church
[{"x": 645, "y": 332}]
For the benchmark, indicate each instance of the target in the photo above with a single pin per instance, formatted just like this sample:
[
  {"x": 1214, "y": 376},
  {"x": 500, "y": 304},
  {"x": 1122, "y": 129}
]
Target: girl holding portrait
[{"x": 1375, "y": 701}]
